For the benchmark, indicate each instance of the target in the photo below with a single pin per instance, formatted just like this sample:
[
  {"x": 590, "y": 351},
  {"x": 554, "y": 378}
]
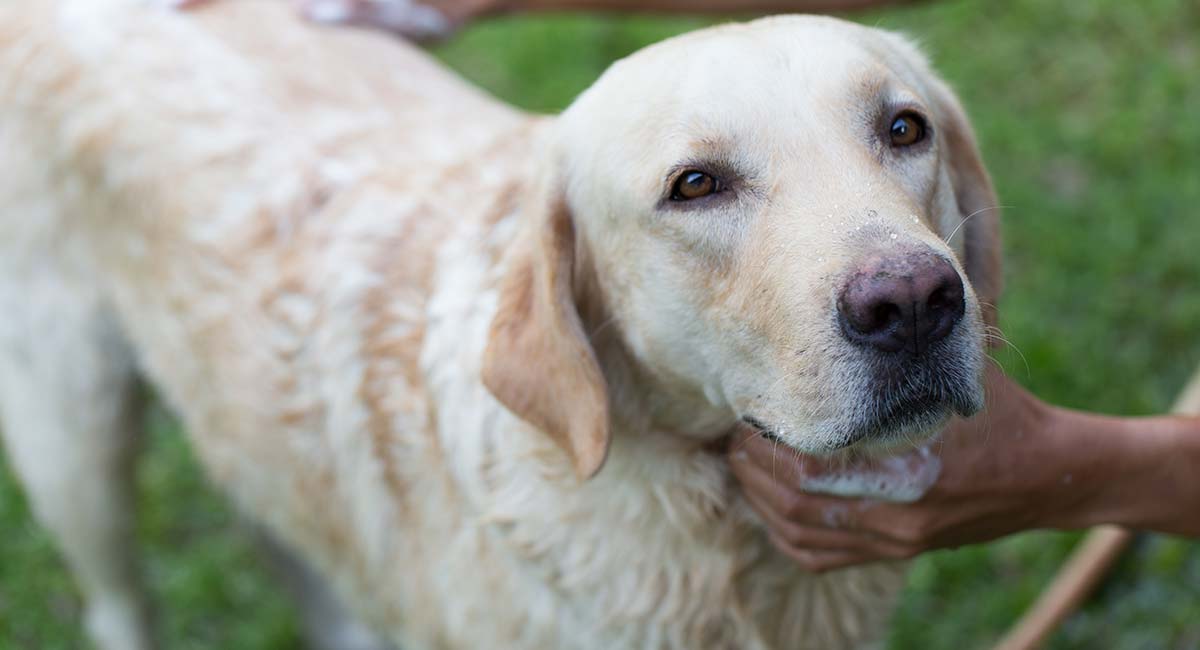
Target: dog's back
[{"x": 245, "y": 210}]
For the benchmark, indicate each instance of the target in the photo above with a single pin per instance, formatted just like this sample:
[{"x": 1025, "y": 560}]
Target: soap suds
[{"x": 903, "y": 479}]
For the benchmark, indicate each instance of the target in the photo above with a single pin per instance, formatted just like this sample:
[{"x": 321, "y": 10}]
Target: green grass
[
  {"x": 1088, "y": 116},
  {"x": 211, "y": 591}
]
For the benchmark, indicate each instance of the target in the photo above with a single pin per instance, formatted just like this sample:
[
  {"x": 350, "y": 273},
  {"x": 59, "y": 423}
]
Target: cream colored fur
[{"x": 301, "y": 236}]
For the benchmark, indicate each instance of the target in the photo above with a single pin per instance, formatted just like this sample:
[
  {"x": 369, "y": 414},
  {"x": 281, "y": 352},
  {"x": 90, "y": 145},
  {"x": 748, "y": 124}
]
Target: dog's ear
[
  {"x": 979, "y": 211},
  {"x": 539, "y": 362}
]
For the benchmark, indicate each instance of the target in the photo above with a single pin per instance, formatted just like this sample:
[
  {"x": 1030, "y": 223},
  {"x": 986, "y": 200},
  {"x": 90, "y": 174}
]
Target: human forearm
[
  {"x": 1136, "y": 472},
  {"x": 694, "y": 6},
  {"x": 1020, "y": 464},
  {"x": 438, "y": 18}
]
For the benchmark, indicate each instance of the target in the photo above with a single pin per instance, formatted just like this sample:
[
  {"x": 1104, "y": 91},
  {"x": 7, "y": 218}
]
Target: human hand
[
  {"x": 999, "y": 472},
  {"x": 416, "y": 19}
]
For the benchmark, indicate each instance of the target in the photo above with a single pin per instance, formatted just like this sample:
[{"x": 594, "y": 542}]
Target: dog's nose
[{"x": 906, "y": 302}]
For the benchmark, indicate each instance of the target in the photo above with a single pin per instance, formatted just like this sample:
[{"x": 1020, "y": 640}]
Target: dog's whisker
[
  {"x": 967, "y": 218},
  {"x": 600, "y": 328},
  {"x": 993, "y": 333}
]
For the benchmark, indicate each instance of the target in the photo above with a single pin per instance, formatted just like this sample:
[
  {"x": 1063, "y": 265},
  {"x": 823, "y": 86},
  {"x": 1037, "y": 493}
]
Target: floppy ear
[
  {"x": 538, "y": 361},
  {"x": 976, "y": 199}
]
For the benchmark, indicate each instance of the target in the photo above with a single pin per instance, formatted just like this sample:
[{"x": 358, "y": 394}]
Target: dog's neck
[
  {"x": 660, "y": 531},
  {"x": 641, "y": 401}
]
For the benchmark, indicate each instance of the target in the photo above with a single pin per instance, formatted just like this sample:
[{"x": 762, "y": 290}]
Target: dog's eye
[
  {"x": 694, "y": 184},
  {"x": 908, "y": 128}
]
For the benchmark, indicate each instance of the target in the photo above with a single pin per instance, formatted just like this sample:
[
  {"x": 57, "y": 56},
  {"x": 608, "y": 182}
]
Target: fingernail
[
  {"x": 411, "y": 18},
  {"x": 327, "y": 11}
]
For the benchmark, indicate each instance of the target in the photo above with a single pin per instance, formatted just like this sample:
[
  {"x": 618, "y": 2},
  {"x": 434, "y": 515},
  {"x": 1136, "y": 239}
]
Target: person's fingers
[
  {"x": 778, "y": 495},
  {"x": 409, "y": 18},
  {"x": 801, "y": 535},
  {"x": 800, "y": 508},
  {"x": 904, "y": 477},
  {"x": 793, "y": 467},
  {"x": 784, "y": 463},
  {"x": 894, "y": 530},
  {"x": 813, "y": 538},
  {"x": 181, "y": 4}
]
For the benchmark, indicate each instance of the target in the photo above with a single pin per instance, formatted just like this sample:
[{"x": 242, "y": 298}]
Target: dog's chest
[{"x": 657, "y": 551}]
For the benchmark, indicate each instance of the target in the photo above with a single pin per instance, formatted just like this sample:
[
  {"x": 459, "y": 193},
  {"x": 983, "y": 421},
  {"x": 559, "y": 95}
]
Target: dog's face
[{"x": 764, "y": 211}]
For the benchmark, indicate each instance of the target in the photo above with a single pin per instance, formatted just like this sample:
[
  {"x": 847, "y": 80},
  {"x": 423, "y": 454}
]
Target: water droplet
[{"x": 893, "y": 235}]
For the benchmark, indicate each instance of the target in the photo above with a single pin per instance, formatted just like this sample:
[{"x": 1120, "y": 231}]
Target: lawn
[{"x": 1089, "y": 117}]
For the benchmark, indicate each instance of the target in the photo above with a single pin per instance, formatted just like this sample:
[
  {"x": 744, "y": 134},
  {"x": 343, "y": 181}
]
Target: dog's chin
[
  {"x": 880, "y": 426},
  {"x": 895, "y": 431},
  {"x": 892, "y": 411},
  {"x": 906, "y": 419}
]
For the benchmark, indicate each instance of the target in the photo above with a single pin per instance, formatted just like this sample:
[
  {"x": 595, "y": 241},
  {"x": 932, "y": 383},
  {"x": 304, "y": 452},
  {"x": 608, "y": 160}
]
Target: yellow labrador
[{"x": 469, "y": 363}]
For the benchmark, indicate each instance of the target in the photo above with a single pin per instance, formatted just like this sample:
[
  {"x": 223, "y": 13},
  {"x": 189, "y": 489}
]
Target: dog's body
[{"x": 302, "y": 238}]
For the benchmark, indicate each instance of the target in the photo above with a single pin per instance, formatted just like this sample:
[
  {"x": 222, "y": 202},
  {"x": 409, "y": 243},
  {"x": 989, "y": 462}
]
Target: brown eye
[
  {"x": 907, "y": 129},
  {"x": 693, "y": 184}
]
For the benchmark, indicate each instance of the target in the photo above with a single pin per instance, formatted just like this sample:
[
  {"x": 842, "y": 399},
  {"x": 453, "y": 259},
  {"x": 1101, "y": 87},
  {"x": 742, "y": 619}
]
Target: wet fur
[{"x": 305, "y": 256}]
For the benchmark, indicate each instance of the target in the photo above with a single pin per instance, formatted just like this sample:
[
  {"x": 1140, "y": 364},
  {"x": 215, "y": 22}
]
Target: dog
[{"x": 470, "y": 365}]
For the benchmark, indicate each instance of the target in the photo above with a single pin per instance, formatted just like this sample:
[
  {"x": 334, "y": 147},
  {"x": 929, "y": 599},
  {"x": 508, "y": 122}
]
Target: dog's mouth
[
  {"x": 911, "y": 400},
  {"x": 902, "y": 417},
  {"x": 761, "y": 429}
]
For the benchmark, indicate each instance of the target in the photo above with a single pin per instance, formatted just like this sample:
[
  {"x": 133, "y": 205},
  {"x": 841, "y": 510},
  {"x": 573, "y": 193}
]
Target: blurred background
[{"x": 1088, "y": 114}]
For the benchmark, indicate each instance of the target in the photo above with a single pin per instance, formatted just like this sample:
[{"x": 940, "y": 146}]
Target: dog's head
[{"x": 779, "y": 220}]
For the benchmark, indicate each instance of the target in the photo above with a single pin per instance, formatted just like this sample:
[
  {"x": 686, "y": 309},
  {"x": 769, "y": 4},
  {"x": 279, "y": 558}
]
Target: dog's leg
[
  {"x": 69, "y": 411},
  {"x": 326, "y": 622}
]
